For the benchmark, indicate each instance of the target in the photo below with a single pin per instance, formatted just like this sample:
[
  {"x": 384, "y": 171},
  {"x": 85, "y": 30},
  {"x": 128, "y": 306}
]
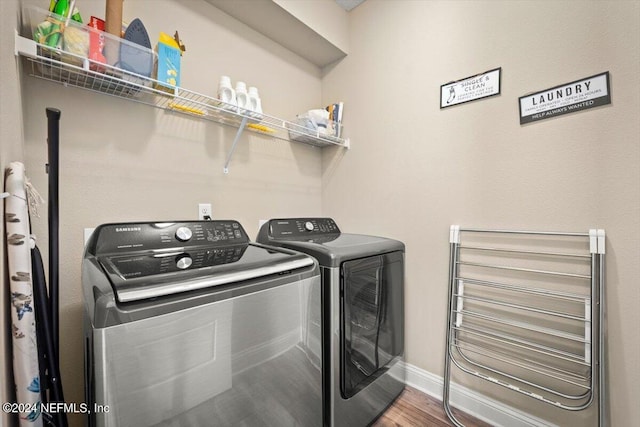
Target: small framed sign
[
  {"x": 480, "y": 86},
  {"x": 575, "y": 96}
]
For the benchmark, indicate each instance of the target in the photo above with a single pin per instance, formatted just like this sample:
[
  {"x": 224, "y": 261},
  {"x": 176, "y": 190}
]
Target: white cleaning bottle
[
  {"x": 254, "y": 104},
  {"x": 226, "y": 94},
  {"x": 241, "y": 97}
]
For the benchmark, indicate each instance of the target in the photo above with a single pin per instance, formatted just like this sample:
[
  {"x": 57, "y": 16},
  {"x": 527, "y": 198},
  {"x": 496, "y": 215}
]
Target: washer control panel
[
  {"x": 297, "y": 227},
  {"x": 128, "y": 237},
  {"x": 131, "y": 266}
]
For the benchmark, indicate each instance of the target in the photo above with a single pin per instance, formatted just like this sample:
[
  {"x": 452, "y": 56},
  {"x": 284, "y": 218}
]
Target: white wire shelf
[{"x": 72, "y": 70}]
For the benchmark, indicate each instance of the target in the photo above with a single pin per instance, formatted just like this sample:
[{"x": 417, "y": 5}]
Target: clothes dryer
[{"x": 362, "y": 315}]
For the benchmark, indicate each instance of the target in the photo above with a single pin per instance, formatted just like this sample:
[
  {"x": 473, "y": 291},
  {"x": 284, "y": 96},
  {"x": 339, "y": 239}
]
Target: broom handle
[{"x": 53, "y": 142}]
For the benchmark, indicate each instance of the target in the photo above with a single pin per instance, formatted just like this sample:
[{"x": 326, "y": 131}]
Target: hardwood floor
[{"x": 416, "y": 409}]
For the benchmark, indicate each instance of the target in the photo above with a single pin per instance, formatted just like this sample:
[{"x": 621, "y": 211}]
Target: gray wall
[{"x": 415, "y": 169}]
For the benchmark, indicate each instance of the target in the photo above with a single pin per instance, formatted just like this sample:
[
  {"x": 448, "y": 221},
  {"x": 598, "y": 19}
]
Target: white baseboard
[{"x": 471, "y": 402}]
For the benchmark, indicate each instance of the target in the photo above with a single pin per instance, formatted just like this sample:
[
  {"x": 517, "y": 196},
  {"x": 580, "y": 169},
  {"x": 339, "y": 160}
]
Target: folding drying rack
[{"x": 526, "y": 312}]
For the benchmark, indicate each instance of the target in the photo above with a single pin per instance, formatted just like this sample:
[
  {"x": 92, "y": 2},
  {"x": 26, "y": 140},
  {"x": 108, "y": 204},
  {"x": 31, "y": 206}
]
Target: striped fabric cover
[{"x": 25, "y": 346}]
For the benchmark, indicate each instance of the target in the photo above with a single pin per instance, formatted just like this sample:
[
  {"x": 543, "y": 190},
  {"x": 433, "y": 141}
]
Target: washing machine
[
  {"x": 190, "y": 324},
  {"x": 362, "y": 315}
]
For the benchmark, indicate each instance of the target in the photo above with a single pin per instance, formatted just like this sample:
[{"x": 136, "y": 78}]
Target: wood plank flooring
[{"x": 416, "y": 409}]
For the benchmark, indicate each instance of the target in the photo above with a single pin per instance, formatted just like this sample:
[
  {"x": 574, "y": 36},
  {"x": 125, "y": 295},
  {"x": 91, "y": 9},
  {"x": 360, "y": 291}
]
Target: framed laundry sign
[
  {"x": 480, "y": 86},
  {"x": 579, "y": 95}
]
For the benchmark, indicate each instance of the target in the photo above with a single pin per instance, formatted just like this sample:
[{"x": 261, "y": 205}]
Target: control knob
[
  {"x": 308, "y": 226},
  {"x": 183, "y": 261},
  {"x": 183, "y": 234}
]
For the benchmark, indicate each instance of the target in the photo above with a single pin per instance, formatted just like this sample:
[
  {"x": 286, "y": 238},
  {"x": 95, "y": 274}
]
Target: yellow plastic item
[
  {"x": 184, "y": 108},
  {"x": 261, "y": 128}
]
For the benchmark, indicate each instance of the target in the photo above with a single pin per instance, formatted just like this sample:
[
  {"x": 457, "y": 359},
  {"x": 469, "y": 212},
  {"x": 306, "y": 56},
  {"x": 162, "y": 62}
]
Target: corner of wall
[{"x": 11, "y": 149}]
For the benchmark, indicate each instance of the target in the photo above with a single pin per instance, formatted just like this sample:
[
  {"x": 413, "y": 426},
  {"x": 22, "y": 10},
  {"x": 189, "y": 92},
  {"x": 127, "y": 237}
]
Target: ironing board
[{"x": 25, "y": 346}]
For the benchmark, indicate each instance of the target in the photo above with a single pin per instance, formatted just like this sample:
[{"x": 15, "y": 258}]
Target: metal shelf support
[{"x": 243, "y": 124}]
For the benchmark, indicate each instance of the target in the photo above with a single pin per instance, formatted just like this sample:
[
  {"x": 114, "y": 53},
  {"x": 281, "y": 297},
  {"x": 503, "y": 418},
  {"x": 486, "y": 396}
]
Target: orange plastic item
[{"x": 96, "y": 42}]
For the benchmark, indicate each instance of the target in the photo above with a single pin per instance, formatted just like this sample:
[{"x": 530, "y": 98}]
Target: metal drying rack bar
[{"x": 528, "y": 319}]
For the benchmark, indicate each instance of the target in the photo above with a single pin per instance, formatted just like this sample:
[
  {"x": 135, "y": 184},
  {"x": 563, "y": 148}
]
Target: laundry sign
[
  {"x": 567, "y": 98},
  {"x": 468, "y": 89}
]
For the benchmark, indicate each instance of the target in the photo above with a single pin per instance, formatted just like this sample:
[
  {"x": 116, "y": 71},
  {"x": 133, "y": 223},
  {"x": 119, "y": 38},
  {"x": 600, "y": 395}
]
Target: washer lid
[
  {"x": 321, "y": 238},
  {"x": 331, "y": 251},
  {"x": 151, "y": 259},
  {"x": 143, "y": 275}
]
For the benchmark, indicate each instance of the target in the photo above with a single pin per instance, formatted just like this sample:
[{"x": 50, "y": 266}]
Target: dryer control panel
[
  {"x": 297, "y": 227},
  {"x": 129, "y": 237}
]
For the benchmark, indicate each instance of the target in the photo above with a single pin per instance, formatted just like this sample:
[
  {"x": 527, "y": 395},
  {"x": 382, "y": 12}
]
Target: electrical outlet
[{"x": 204, "y": 211}]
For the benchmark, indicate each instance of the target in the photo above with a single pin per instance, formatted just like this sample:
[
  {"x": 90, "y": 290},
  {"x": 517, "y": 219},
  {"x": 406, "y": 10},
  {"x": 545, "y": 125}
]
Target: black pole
[{"x": 53, "y": 142}]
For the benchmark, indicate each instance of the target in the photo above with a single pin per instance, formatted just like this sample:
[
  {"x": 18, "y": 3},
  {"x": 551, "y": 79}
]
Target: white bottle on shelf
[
  {"x": 254, "y": 103},
  {"x": 226, "y": 94},
  {"x": 242, "y": 97}
]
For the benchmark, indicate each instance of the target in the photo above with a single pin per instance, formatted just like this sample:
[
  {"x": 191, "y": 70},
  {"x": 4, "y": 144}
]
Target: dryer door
[{"x": 371, "y": 318}]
